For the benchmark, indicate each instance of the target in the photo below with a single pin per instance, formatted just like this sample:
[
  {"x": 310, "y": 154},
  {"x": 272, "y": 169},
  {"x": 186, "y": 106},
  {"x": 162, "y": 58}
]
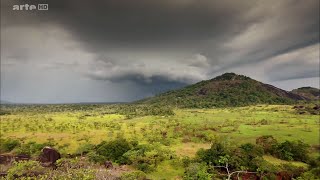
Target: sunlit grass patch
[{"x": 278, "y": 162}]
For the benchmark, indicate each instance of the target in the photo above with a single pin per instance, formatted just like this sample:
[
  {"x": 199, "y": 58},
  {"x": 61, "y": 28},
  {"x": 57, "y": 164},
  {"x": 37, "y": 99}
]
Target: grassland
[{"x": 184, "y": 133}]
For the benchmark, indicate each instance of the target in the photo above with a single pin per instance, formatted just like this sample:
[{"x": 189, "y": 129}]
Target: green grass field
[{"x": 184, "y": 133}]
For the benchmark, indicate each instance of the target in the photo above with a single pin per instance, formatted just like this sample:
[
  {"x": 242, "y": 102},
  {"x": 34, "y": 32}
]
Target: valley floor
[{"x": 183, "y": 133}]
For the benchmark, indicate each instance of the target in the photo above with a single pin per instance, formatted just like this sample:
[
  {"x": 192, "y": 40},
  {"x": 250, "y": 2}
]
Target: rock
[
  {"x": 108, "y": 164},
  {"x": 203, "y": 91},
  {"x": 22, "y": 157},
  {"x": 298, "y": 107},
  {"x": 49, "y": 155},
  {"x": 6, "y": 158}
]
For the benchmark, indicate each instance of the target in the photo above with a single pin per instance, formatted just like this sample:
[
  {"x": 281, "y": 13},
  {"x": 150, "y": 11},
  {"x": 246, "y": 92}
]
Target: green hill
[
  {"x": 227, "y": 90},
  {"x": 308, "y": 92},
  {"x": 5, "y": 102}
]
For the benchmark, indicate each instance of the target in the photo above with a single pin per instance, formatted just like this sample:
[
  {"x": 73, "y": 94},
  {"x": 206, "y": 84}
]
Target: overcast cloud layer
[{"x": 111, "y": 50}]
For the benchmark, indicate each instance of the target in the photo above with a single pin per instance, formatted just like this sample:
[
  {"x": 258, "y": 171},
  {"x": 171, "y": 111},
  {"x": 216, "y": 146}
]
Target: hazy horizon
[
  {"x": 110, "y": 51},
  {"x": 4, "y": 101}
]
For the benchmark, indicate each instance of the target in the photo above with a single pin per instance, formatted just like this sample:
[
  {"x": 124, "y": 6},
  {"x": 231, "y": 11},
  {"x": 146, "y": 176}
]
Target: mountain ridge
[
  {"x": 309, "y": 92},
  {"x": 226, "y": 90}
]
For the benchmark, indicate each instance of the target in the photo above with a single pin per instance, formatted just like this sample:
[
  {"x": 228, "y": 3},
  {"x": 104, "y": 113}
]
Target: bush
[
  {"x": 313, "y": 174},
  {"x": 291, "y": 170},
  {"x": 186, "y": 161},
  {"x": 84, "y": 148},
  {"x": 71, "y": 174},
  {"x": 96, "y": 158},
  {"x": 9, "y": 144},
  {"x": 268, "y": 143},
  {"x": 237, "y": 158},
  {"x": 114, "y": 150},
  {"x": 71, "y": 169},
  {"x": 288, "y": 150},
  {"x": 134, "y": 175},
  {"x": 25, "y": 169},
  {"x": 292, "y": 150},
  {"x": 31, "y": 148},
  {"x": 147, "y": 157},
  {"x": 197, "y": 171},
  {"x": 264, "y": 168},
  {"x": 211, "y": 156},
  {"x": 248, "y": 152}
]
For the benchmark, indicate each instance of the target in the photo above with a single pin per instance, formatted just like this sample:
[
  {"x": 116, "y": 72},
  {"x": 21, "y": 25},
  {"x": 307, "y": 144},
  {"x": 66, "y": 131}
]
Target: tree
[
  {"x": 210, "y": 156},
  {"x": 292, "y": 150},
  {"x": 197, "y": 171},
  {"x": 264, "y": 168},
  {"x": 268, "y": 143},
  {"x": 247, "y": 153},
  {"x": 224, "y": 160}
]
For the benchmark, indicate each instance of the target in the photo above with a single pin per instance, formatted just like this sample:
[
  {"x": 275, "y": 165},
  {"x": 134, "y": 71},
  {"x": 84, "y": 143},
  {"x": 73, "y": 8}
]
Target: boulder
[
  {"x": 22, "y": 157},
  {"x": 108, "y": 164},
  {"x": 6, "y": 158},
  {"x": 49, "y": 155}
]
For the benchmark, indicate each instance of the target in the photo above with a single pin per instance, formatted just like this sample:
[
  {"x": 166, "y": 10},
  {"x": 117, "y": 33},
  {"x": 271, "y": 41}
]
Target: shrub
[
  {"x": 147, "y": 157},
  {"x": 134, "y": 175},
  {"x": 292, "y": 150},
  {"x": 248, "y": 152},
  {"x": 288, "y": 150},
  {"x": 291, "y": 170},
  {"x": 197, "y": 171},
  {"x": 268, "y": 143},
  {"x": 71, "y": 169},
  {"x": 84, "y": 148},
  {"x": 186, "y": 161},
  {"x": 31, "y": 148},
  {"x": 114, "y": 150},
  {"x": 9, "y": 144},
  {"x": 264, "y": 168},
  {"x": 96, "y": 158},
  {"x": 211, "y": 156},
  {"x": 25, "y": 169},
  {"x": 312, "y": 174}
]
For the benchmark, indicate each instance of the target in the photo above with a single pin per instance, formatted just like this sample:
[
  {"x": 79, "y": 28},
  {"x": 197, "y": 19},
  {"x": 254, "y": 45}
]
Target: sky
[{"x": 119, "y": 51}]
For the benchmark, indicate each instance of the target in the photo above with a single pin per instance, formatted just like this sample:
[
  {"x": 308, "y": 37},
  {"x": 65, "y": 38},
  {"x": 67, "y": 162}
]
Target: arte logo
[{"x": 31, "y": 7}]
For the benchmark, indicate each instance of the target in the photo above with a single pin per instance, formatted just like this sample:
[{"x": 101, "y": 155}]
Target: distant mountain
[
  {"x": 308, "y": 92},
  {"x": 5, "y": 102},
  {"x": 227, "y": 90}
]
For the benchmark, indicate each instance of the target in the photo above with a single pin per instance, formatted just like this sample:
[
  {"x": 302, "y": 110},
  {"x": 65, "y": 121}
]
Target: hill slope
[
  {"x": 308, "y": 92},
  {"x": 226, "y": 90},
  {"x": 5, "y": 102}
]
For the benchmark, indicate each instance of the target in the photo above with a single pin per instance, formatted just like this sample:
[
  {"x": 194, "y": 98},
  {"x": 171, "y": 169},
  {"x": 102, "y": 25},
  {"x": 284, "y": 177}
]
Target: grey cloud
[
  {"x": 198, "y": 60},
  {"x": 286, "y": 26},
  {"x": 145, "y": 72},
  {"x": 297, "y": 64}
]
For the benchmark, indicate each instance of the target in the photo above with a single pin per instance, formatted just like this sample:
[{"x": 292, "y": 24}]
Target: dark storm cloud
[
  {"x": 141, "y": 23},
  {"x": 169, "y": 42}
]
